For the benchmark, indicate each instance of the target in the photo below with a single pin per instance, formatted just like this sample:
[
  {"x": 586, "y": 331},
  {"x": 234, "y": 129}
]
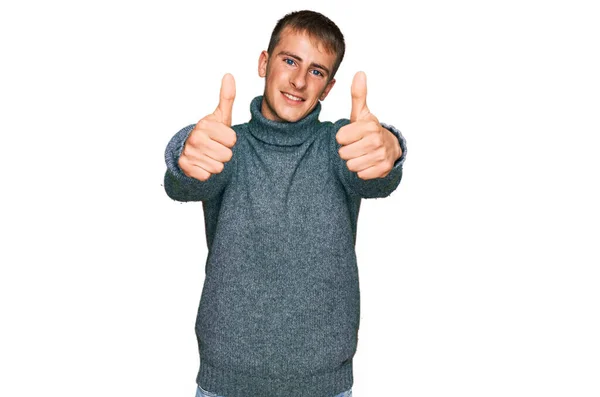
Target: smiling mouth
[{"x": 291, "y": 98}]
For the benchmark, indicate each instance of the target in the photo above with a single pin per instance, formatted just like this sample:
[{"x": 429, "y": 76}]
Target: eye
[
  {"x": 288, "y": 61},
  {"x": 317, "y": 73}
]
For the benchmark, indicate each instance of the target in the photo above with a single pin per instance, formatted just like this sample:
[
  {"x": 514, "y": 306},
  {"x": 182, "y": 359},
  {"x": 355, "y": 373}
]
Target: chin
[
  {"x": 293, "y": 115},
  {"x": 293, "y": 118},
  {"x": 290, "y": 115},
  {"x": 285, "y": 111}
]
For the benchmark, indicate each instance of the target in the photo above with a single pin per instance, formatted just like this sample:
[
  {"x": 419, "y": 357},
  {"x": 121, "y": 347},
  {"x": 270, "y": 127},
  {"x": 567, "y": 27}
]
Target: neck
[{"x": 281, "y": 132}]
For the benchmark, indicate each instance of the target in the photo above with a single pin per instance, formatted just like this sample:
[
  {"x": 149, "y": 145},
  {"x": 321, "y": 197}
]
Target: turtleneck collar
[{"x": 281, "y": 133}]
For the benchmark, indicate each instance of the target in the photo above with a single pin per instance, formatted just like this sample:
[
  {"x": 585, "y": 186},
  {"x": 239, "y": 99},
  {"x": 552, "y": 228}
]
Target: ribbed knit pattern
[{"x": 280, "y": 306}]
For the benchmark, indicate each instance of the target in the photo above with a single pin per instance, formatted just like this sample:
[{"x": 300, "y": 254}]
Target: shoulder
[
  {"x": 340, "y": 123},
  {"x": 333, "y": 126}
]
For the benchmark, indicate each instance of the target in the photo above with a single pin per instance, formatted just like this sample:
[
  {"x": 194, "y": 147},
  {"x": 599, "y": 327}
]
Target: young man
[{"x": 279, "y": 312}]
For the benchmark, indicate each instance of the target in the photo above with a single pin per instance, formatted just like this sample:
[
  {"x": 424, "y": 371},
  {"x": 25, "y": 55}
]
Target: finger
[
  {"x": 210, "y": 165},
  {"x": 354, "y": 132},
  {"x": 372, "y": 173},
  {"x": 203, "y": 161},
  {"x": 359, "y": 96},
  {"x": 193, "y": 170},
  {"x": 354, "y": 150},
  {"x": 226, "y": 98},
  {"x": 200, "y": 174},
  {"x": 366, "y": 161},
  {"x": 221, "y": 133},
  {"x": 218, "y": 152},
  {"x": 209, "y": 148}
]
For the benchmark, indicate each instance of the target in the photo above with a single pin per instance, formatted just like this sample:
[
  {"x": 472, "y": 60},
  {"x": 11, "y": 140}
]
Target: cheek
[{"x": 273, "y": 79}]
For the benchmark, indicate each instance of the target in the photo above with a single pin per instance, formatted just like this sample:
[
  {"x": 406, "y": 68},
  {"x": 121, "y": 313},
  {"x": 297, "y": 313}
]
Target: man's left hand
[{"x": 370, "y": 149}]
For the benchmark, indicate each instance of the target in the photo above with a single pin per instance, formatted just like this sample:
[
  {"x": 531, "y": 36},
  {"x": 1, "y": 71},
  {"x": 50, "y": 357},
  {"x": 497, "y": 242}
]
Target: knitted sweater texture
[{"x": 280, "y": 306}]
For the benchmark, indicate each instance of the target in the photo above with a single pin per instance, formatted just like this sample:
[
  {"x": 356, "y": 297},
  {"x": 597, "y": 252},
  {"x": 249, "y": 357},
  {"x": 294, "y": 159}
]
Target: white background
[{"x": 479, "y": 274}]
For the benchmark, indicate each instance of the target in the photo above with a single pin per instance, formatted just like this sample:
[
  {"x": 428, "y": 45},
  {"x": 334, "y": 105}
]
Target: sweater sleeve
[
  {"x": 179, "y": 186},
  {"x": 371, "y": 188}
]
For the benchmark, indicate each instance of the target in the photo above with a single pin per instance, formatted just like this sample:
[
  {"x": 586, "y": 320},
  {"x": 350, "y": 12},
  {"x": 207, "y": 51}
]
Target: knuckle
[
  {"x": 372, "y": 142},
  {"x": 201, "y": 174},
  {"x": 350, "y": 165},
  {"x": 189, "y": 151},
  {"x": 192, "y": 139},
  {"x": 385, "y": 170},
  {"x": 231, "y": 139},
  {"x": 185, "y": 152},
  {"x": 202, "y": 124},
  {"x": 378, "y": 140},
  {"x": 200, "y": 139},
  {"x": 181, "y": 162},
  {"x": 186, "y": 171},
  {"x": 373, "y": 125},
  {"x": 229, "y": 154}
]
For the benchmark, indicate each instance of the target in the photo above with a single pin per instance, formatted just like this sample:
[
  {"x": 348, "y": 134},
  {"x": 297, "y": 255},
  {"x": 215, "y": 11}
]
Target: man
[{"x": 279, "y": 312}]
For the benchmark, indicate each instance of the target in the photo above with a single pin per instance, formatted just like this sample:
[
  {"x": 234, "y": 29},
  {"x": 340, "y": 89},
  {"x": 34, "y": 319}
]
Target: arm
[
  {"x": 179, "y": 186},
  {"x": 371, "y": 188}
]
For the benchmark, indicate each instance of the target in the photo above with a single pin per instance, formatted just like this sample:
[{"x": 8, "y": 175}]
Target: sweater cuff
[
  {"x": 173, "y": 152},
  {"x": 401, "y": 140}
]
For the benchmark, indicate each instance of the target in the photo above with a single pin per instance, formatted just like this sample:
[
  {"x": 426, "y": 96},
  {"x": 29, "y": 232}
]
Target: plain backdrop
[{"x": 479, "y": 275}]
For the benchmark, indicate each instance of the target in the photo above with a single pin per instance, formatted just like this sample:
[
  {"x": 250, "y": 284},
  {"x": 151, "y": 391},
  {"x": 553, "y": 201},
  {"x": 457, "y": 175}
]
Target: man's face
[{"x": 297, "y": 77}]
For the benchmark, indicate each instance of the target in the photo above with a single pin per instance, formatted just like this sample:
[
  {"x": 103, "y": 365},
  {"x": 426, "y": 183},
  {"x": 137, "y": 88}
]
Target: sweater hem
[{"x": 229, "y": 383}]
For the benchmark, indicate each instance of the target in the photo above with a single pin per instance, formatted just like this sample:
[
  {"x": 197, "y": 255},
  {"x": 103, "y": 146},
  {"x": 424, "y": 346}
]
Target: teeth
[{"x": 293, "y": 98}]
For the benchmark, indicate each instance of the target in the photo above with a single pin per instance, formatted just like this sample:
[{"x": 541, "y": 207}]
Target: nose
[{"x": 298, "y": 80}]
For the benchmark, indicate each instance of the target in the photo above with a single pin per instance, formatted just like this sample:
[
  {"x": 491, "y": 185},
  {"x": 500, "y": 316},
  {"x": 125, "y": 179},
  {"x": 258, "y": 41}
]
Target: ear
[
  {"x": 328, "y": 88},
  {"x": 262, "y": 63}
]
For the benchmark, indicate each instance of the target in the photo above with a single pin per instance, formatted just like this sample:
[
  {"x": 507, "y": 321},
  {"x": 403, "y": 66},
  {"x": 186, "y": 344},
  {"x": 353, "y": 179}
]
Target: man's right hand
[{"x": 209, "y": 144}]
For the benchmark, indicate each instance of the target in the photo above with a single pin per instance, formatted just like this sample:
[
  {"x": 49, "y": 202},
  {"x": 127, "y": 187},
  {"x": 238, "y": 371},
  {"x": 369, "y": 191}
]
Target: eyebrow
[{"x": 292, "y": 55}]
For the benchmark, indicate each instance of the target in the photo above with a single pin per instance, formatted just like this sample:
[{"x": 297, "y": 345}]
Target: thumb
[
  {"x": 359, "y": 96},
  {"x": 226, "y": 97}
]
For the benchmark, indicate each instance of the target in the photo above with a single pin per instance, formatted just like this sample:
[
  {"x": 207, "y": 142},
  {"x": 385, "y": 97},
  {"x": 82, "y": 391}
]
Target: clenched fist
[
  {"x": 208, "y": 147},
  {"x": 370, "y": 149}
]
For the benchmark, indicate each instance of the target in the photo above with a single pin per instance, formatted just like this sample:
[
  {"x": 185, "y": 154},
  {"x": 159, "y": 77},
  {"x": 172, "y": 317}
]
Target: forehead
[{"x": 305, "y": 46}]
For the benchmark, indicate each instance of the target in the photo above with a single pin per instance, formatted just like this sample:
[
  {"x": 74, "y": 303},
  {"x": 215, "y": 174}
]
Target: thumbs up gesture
[
  {"x": 208, "y": 147},
  {"x": 370, "y": 149}
]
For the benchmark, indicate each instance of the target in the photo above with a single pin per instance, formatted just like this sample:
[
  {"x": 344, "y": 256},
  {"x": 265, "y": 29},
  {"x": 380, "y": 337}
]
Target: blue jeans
[{"x": 203, "y": 393}]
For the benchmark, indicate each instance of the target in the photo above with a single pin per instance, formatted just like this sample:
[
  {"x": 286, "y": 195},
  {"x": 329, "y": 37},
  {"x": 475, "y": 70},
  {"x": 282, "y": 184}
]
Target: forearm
[{"x": 181, "y": 187}]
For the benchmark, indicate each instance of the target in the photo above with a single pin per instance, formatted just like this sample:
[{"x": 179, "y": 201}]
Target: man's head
[{"x": 304, "y": 53}]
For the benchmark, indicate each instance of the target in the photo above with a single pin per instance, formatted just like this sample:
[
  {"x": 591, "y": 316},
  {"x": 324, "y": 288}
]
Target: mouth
[{"x": 294, "y": 100}]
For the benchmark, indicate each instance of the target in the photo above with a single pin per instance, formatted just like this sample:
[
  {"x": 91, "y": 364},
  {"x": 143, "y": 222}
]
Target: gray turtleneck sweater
[{"x": 280, "y": 306}]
